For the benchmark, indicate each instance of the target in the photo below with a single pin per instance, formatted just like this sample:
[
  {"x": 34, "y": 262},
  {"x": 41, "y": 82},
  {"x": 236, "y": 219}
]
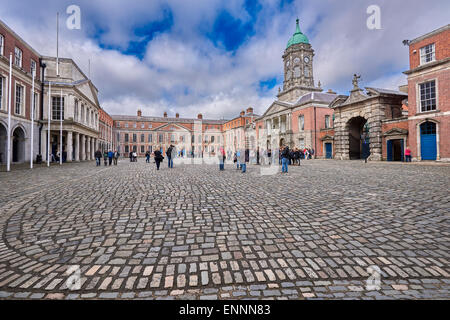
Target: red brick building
[
  {"x": 24, "y": 60},
  {"x": 106, "y": 140},
  {"x": 429, "y": 96}
]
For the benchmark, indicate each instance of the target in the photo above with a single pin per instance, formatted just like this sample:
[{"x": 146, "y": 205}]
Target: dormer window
[{"x": 427, "y": 54}]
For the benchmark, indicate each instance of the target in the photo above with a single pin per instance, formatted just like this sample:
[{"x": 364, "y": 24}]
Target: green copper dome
[{"x": 297, "y": 38}]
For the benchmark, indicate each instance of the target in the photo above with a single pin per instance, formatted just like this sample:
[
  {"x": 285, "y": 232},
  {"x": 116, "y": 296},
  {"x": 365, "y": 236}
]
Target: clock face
[
  {"x": 306, "y": 59},
  {"x": 297, "y": 60}
]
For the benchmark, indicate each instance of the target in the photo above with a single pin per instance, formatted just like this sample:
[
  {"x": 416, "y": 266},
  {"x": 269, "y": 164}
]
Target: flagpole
[
  {"x": 8, "y": 161},
  {"x": 49, "y": 124},
  {"x": 57, "y": 44},
  {"x": 60, "y": 129},
  {"x": 32, "y": 118}
]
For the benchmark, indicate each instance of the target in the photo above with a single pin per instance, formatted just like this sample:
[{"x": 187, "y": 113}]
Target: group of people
[{"x": 108, "y": 157}]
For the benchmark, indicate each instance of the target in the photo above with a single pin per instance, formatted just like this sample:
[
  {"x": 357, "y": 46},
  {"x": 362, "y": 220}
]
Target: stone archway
[
  {"x": 3, "y": 143},
  {"x": 18, "y": 145},
  {"x": 358, "y": 144}
]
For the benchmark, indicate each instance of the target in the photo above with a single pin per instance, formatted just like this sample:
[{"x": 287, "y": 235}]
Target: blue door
[
  {"x": 389, "y": 150},
  {"x": 428, "y": 148},
  {"x": 328, "y": 151}
]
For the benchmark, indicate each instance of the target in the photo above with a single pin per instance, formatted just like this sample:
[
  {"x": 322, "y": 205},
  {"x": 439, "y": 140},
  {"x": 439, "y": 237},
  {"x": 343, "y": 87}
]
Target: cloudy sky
[{"x": 220, "y": 57}]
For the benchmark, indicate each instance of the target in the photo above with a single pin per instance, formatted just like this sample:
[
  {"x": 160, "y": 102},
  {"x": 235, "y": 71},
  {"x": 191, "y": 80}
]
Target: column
[
  {"x": 43, "y": 150},
  {"x": 83, "y": 147},
  {"x": 69, "y": 146},
  {"x": 88, "y": 148},
  {"x": 77, "y": 146},
  {"x": 92, "y": 148}
]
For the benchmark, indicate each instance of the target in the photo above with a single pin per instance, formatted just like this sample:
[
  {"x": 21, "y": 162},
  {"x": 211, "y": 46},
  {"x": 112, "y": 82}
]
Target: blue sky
[{"x": 220, "y": 57}]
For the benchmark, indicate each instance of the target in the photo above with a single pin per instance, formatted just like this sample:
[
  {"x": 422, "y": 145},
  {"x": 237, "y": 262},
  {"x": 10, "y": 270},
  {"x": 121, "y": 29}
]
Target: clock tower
[{"x": 298, "y": 68}]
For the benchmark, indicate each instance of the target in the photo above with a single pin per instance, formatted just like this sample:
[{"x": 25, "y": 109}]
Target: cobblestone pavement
[{"x": 196, "y": 233}]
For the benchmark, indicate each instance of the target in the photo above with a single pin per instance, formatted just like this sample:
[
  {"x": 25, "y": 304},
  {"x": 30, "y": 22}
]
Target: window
[
  {"x": 33, "y": 66},
  {"x": 193, "y": 139},
  {"x": 35, "y": 104},
  {"x": 172, "y": 138},
  {"x": 57, "y": 104},
  {"x": 427, "y": 54},
  {"x": 2, "y": 45},
  {"x": 134, "y": 148},
  {"x": 87, "y": 116},
  {"x": 18, "y": 57},
  {"x": 118, "y": 137},
  {"x": 161, "y": 138},
  {"x": 297, "y": 72},
  {"x": 142, "y": 125},
  {"x": 428, "y": 96},
  {"x": 301, "y": 123},
  {"x": 135, "y": 125},
  {"x": 150, "y": 149},
  {"x": 306, "y": 71},
  {"x": 212, "y": 139},
  {"x": 75, "y": 113},
  {"x": 150, "y": 138},
  {"x": 142, "y": 138},
  {"x": 127, "y": 149},
  {"x": 19, "y": 99},
  {"x": 142, "y": 149},
  {"x": 2, "y": 81},
  {"x": 126, "y": 125},
  {"x": 126, "y": 137},
  {"x": 118, "y": 124},
  {"x": 428, "y": 128},
  {"x": 327, "y": 122},
  {"x": 149, "y": 125},
  {"x": 134, "y": 137}
]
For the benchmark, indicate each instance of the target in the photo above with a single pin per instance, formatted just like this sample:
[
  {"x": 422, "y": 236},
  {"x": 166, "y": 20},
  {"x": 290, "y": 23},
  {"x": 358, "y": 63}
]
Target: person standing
[
  {"x": 147, "y": 157},
  {"x": 284, "y": 159},
  {"x": 110, "y": 157},
  {"x": 169, "y": 157},
  {"x": 243, "y": 167},
  {"x": 116, "y": 157},
  {"x": 158, "y": 158},
  {"x": 105, "y": 158},
  {"x": 238, "y": 159},
  {"x": 269, "y": 156},
  {"x": 408, "y": 154},
  {"x": 131, "y": 156},
  {"x": 98, "y": 157},
  {"x": 222, "y": 158}
]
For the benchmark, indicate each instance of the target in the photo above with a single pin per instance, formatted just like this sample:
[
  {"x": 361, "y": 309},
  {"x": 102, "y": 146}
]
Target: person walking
[
  {"x": 158, "y": 158},
  {"x": 269, "y": 156},
  {"x": 147, "y": 157},
  {"x": 222, "y": 158},
  {"x": 169, "y": 154},
  {"x": 408, "y": 154},
  {"x": 116, "y": 157},
  {"x": 105, "y": 158},
  {"x": 110, "y": 157},
  {"x": 243, "y": 166},
  {"x": 98, "y": 157},
  {"x": 284, "y": 159}
]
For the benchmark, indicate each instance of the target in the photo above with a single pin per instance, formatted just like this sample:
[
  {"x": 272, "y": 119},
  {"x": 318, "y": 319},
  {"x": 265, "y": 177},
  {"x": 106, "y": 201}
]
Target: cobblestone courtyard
[{"x": 196, "y": 233}]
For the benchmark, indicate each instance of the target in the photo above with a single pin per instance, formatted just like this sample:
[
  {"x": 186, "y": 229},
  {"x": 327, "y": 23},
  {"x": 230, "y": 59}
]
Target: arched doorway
[
  {"x": 281, "y": 142},
  {"x": 3, "y": 144},
  {"x": 18, "y": 145},
  {"x": 358, "y": 134},
  {"x": 428, "y": 147}
]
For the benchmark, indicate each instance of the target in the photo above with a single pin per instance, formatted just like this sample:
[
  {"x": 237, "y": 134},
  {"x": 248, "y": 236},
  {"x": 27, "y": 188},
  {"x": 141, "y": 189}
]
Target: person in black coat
[{"x": 158, "y": 158}]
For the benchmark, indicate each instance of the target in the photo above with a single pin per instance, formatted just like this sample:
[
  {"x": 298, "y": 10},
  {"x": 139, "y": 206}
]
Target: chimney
[
  {"x": 242, "y": 113},
  {"x": 139, "y": 113},
  {"x": 200, "y": 116},
  {"x": 331, "y": 91},
  {"x": 165, "y": 114},
  {"x": 177, "y": 115},
  {"x": 250, "y": 110}
]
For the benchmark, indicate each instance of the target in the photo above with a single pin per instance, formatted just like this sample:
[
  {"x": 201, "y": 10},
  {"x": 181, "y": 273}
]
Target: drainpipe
[{"x": 41, "y": 104}]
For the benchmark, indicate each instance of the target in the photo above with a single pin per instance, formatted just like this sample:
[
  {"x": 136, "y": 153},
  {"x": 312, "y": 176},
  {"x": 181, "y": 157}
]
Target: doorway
[
  {"x": 359, "y": 144},
  {"x": 395, "y": 150}
]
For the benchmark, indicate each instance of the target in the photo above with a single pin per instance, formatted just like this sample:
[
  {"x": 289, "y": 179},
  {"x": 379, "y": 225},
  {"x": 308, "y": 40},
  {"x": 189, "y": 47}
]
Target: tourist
[
  {"x": 134, "y": 156},
  {"x": 98, "y": 157},
  {"x": 158, "y": 158},
  {"x": 238, "y": 159},
  {"x": 408, "y": 154},
  {"x": 131, "y": 156},
  {"x": 147, "y": 157},
  {"x": 110, "y": 157},
  {"x": 116, "y": 157},
  {"x": 170, "y": 152},
  {"x": 306, "y": 153},
  {"x": 222, "y": 158},
  {"x": 269, "y": 156},
  {"x": 105, "y": 158},
  {"x": 284, "y": 159},
  {"x": 311, "y": 153},
  {"x": 242, "y": 158}
]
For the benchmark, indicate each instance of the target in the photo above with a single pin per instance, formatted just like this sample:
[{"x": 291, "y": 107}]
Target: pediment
[
  {"x": 171, "y": 127},
  {"x": 327, "y": 137},
  {"x": 275, "y": 108},
  {"x": 396, "y": 132},
  {"x": 88, "y": 91}
]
